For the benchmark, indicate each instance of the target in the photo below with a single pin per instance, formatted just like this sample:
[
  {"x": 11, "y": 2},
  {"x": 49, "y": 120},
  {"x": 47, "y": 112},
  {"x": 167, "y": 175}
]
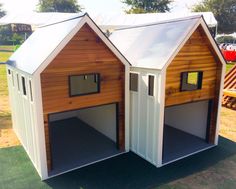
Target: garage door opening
[
  {"x": 186, "y": 130},
  {"x": 82, "y": 137}
]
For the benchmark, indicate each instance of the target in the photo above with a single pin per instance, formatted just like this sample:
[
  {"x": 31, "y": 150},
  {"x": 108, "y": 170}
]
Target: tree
[
  {"x": 2, "y": 12},
  {"x": 147, "y": 6},
  {"x": 69, "y": 6},
  {"x": 224, "y": 11}
]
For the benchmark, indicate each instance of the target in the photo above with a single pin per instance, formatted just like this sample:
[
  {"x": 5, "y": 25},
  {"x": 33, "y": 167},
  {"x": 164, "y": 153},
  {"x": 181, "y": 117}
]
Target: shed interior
[
  {"x": 186, "y": 130},
  {"x": 82, "y": 137}
]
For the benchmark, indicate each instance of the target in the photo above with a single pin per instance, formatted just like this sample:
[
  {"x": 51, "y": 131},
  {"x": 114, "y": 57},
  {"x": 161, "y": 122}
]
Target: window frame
[
  {"x": 98, "y": 84},
  {"x": 185, "y": 86},
  {"x": 23, "y": 84},
  {"x": 31, "y": 91},
  {"x": 18, "y": 82},
  {"x": 153, "y": 88},
  {"x": 136, "y": 91}
]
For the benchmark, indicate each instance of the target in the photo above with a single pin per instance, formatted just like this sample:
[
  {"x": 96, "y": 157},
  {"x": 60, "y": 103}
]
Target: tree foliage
[
  {"x": 147, "y": 6},
  {"x": 68, "y": 6},
  {"x": 2, "y": 12},
  {"x": 224, "y": 11}
]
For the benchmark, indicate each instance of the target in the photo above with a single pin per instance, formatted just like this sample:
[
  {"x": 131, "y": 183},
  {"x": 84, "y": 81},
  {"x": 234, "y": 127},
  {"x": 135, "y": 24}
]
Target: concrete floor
[
  {"x": 177, "y": 144},
  {"x": 75, "y": 144}
]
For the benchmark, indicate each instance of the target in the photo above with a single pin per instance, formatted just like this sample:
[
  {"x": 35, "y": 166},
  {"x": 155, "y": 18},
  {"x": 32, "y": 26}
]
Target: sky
[{"x": 90, "y": 6}]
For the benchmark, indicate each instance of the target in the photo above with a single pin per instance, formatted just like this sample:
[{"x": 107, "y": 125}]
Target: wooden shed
[
  {"x": 176, "y": 85},
  {"x": 69, "y": 95},
  {"x": 77, "y": 99}
]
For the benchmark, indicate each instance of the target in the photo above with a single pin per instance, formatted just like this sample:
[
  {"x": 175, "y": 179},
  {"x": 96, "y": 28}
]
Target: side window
[
  {"x": 23, "y": 85},
  {"x": 151, "y": 85},
  {"x": 134, "y": 82},
  {"x": 13, "y": 81},
  {"x": 31, "y": 93},
  {"x": 18, "y": 82},
  {"x": 84, "y": 84},
  {"x": 9, "y": 72},
  {"x": 191, "y": 81}
]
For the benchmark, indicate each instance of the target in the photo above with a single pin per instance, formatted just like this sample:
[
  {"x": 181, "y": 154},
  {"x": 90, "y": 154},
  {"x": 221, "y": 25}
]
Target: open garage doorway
[
  {"x": 186, "y": 130},
  {"x": 82, "y": 137}
]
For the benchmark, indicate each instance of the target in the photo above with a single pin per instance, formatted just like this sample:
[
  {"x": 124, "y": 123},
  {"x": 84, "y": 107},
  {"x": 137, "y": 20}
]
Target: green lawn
[
  {"x": 213, "y": 168},
  {"x": 229, "y": 66},
  {"x": 4, "y": 56},
  {"x": 3, "y": 80},
  {"x": 7, "y": 47}
]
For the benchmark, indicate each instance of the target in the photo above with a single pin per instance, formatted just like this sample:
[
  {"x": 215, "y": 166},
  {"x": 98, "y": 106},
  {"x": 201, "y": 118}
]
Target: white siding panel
[
  {"x": 23, "y": 113},
  {"x": 144, "y": 119}
]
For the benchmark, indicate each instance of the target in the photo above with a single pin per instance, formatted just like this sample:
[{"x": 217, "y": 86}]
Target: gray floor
[
  {"x": 74, "y": 144},
  {"x": 177, "y": 144}
]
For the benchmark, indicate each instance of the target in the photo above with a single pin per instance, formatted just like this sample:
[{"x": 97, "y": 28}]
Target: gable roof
[
  {"x": 154, "y": 46},
  {"x": 116, "y": 21},
  {"x": 47, "y": 41}
]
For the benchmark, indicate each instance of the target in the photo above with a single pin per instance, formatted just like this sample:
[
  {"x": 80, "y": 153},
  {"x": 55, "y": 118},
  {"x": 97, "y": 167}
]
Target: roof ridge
[
  {"x": 161, "y": 22},
  {"x": 82, "y": 15}
]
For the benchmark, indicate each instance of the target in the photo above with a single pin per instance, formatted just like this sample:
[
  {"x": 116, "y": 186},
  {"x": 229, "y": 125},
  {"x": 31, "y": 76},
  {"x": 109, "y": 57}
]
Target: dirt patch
[
  {"x": 228, "y": 124},
  {"x": 8, "y": 137}
]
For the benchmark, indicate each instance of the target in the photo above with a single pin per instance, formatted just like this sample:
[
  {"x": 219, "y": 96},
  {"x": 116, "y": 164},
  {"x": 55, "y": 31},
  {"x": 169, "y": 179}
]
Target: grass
[
  {"x": 229, "y": 66},
  {"x": 7, "y": 48},
  {"x": 3, "y": 81},
  {"x": 4, "y": 56}
]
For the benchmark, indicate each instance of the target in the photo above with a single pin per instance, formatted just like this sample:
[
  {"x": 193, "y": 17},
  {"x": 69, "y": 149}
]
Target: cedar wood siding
[
  {"x": 196, "y": 55},
  {"x": 85, "y": 53}
]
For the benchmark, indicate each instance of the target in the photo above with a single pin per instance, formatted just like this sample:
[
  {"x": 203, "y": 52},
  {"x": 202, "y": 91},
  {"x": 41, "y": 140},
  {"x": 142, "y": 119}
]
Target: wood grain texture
[
  {"x": 84, "y": 54},
  {"x": 196, "y": 55}
]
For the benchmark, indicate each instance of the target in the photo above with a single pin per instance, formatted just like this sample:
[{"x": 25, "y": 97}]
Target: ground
[{"x": 212, "y": 169}]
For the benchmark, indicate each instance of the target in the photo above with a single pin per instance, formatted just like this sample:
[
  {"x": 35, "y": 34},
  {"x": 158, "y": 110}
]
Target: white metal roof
[
  {"x": 47, "y": 41},
  {"x": 114, "y": 21},
  {"x": 35, "y": 50},
  {"x": 151, "y": 46}
]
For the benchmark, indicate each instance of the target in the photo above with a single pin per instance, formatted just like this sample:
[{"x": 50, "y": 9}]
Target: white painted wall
[
  {"x": 23, "y": 115},
  {"x": 145, "y": 117},
  {"x": 102, "y": 118},
  {"x": 191, "y": 117}
]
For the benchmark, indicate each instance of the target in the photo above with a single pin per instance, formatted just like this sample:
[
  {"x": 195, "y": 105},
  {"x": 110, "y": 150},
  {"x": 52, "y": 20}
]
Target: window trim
[
  {"x": 98, "y": 84},
  {"x": 185, "y": 86}
]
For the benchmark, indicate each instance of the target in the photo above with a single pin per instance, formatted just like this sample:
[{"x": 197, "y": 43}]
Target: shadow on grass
[{"x": 131, "y": 171}]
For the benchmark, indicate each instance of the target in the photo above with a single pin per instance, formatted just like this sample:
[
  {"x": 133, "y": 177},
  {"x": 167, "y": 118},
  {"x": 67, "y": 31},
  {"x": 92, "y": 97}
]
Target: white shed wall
[
  {"x": 190, "y": 117},
  {"x": 23, "y": 114},
  {"x": 102, "y": 118},
  {"x": 145, "y": 117}
]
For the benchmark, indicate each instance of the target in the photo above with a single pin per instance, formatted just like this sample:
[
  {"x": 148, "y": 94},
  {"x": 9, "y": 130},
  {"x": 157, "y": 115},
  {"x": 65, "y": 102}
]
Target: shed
[
  {"x": 77, "y": 99},
  {"x": 176, "y": 82},
  {"x": 62, "y": 126}
]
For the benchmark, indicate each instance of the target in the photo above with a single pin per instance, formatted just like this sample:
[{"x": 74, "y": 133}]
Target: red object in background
[{"x": 230, "y": 55}]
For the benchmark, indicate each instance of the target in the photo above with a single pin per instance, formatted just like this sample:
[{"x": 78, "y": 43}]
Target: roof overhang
[
  {"x": 85, "y": 20},
  {"x": 202, "y": 23}
]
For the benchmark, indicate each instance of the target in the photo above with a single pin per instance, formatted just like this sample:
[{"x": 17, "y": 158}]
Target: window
[
  {"x": 191, "y": 80},
  {"x": 151, "y": 85},
  {"x": 23, "y": 85},
  {"x": 30, "y": 88},
  {"x": 9, "y": 72},
  {"x": 13, "y": 82},
  {"x": 133, "y": 82},
  {"x": 84, "y": 84},
  {"x": 18, "y": 83}
]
